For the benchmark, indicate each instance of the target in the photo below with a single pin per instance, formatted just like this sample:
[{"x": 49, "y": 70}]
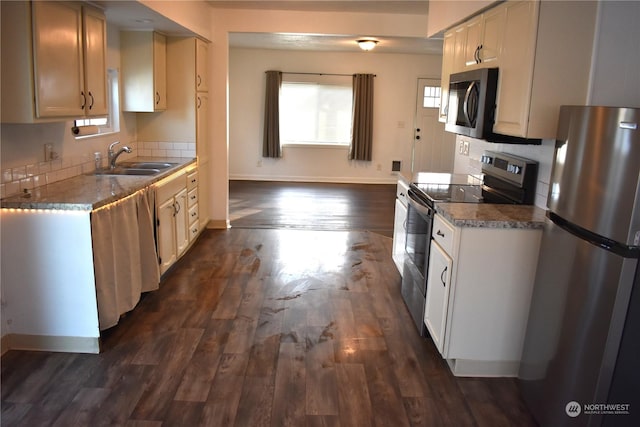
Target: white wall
[{"x": 394, "y": 106}]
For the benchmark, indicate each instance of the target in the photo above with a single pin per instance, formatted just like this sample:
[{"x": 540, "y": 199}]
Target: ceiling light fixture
[{"x": 367, "y": 44}]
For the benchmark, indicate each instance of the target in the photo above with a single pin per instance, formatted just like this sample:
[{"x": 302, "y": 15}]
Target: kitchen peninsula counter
[
  {"x": 485, "y": 215},
  {"x": 90, "y": 191}
]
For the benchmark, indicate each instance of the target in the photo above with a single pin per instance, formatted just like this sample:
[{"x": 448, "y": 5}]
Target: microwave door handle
[{"x": 465, "y": 105}]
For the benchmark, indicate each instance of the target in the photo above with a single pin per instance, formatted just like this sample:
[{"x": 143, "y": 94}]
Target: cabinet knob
[
  {"x": 84, "y": 100},
  {"x": 157, "y": 98},
  {"x": 440, "y": 233}
]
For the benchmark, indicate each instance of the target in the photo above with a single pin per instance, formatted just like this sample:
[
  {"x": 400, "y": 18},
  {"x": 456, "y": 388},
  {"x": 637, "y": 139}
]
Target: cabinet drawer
[
  {"x": 169, "y": 187},
  {"x": 192, "y": 197},
  {"x": 193, "y": 230},
  {"x": 443, "y": 234},
  {"x": 193, "y": 214},
  {"x": 192, "y": 180}
]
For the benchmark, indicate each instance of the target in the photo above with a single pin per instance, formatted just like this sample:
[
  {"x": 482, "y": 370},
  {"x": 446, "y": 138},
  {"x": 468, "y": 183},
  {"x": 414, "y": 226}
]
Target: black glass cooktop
[
  {"x": 444, "y": 187},
  {"x": 452, "y": 193}
]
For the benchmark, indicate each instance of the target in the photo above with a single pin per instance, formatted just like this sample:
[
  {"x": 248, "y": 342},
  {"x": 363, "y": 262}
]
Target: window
[
  {"x": 431, "y": 97},
  {"x": 316, "y": 112},
  {"x": 111, "y": 123}
]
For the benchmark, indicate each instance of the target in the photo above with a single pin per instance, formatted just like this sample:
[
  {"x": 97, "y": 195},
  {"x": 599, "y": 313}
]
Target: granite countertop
[
  {"x": 89, "y": 191},
  {"x": 492, "y": 215}
]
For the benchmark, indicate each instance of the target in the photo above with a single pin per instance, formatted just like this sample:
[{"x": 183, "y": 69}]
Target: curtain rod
[{"x": 320, "y": 74}]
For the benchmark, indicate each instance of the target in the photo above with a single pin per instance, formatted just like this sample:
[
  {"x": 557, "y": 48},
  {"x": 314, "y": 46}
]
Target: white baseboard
[
  {"x": 483, "y": 368},
  {"x": 391, "y": 179},
  {"x": 51, "y": 343},
  {"x": 219, "y": 224}
]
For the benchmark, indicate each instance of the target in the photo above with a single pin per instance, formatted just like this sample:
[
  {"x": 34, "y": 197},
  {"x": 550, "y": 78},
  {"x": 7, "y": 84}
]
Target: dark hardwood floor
[
  {"x": 262, "y": 327},
  {"x": 312, "y": 206}
]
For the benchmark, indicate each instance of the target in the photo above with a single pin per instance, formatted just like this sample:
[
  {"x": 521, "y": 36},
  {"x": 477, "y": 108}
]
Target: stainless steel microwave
[{"x": 472, "y": 102}]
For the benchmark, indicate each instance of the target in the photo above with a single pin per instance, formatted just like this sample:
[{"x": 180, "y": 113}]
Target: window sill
[
  {"x": 323, "y": 146},
  {"x": 96, "y": 135}
]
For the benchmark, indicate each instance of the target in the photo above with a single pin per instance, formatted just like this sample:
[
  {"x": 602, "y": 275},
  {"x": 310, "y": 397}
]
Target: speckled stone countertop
[
  {"x": 491, "y": 215},
  {"x": 89, "y": 191}
]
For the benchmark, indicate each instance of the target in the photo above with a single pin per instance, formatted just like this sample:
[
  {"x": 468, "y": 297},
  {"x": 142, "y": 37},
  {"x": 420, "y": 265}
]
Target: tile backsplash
[{"x": 19, "y": 178}]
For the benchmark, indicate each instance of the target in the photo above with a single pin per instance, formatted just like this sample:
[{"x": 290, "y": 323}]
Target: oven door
[
  {"x": 414, "y": 282},
  {"x": 419, "y": 227}
]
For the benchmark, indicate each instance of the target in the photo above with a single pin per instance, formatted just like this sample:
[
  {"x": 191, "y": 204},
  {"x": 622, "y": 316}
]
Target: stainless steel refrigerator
[{"x": 581, "y": 357}]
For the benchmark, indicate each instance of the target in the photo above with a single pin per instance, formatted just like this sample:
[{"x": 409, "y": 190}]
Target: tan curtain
[
  {"x": 362, "y": 130},
  {"x": 124, "y": 255},
  {"x": 271, "y": 141}
]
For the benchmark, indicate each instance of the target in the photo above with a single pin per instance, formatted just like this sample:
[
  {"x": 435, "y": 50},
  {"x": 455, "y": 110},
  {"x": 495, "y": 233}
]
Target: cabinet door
[
  {"x": 438, "y": 286},
  {"x": 182, "y": 222},
  {"x": 516, "y": 69},
  {"x": 202, "y": 129},
  {"x": 492, "y": 30},
  {"x": 448, "y": 54},
  {"x": 166, "y": 234},
  {"x": 472, "y": 41},
  {"x": 95, "y": 61},
  {"x": 58, "y": 59},
  {"x": 160, "y": 71},
  {"x": 202, "y": 54}
]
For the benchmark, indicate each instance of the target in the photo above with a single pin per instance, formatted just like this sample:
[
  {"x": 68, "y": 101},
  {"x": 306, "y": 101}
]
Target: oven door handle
[{"x": 419, "y": 205}]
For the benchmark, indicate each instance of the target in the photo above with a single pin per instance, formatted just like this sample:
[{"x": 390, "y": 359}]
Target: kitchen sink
[
  {"x": 146, "y": 165},
  {"x": 119, "y": 170}
]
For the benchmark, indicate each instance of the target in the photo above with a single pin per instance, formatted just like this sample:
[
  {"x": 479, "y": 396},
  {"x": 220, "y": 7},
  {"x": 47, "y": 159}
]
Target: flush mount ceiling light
[{"x": 367, "y": 44}]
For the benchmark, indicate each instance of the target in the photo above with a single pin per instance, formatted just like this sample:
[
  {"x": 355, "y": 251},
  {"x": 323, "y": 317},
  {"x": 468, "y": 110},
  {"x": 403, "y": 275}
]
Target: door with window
[{"x": 433, "y": 148}]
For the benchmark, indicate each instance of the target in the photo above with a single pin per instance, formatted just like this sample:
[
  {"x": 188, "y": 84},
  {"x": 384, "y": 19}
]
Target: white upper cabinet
[
  {"x": 144, "y": 71},
  {"x": 65, "y": 77}
]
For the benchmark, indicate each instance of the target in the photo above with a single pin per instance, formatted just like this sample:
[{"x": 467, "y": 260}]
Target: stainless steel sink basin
[
  {"x": 127, "y": 171},
  {"x": 145, "y": 165}
]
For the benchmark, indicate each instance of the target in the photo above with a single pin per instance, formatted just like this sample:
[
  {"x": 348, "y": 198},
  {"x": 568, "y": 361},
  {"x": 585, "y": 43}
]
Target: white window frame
[{"x": 320, "y": 80}]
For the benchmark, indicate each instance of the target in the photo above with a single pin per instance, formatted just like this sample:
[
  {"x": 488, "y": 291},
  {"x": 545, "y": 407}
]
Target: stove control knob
[{"x": 516, "y": 169}]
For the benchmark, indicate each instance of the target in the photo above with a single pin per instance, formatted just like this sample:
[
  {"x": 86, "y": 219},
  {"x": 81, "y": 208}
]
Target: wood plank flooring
[
  {"x": 312, "y": 206},
  {"x": 261, "y": 327}
]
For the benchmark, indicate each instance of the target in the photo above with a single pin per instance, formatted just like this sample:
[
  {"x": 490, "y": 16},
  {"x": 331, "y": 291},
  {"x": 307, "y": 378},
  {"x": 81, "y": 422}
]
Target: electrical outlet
[
  {"x": 466, "y": 148},
  {"x": 379, "y": 167},
  {"x": 48, "y": 152},
  {"x": 259, "y": 163},
  {"x": 461, "y": 147}
]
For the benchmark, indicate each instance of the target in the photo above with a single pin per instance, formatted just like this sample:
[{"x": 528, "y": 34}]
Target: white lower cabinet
[
  {"x": 479, "y": 289},
  {"x": 172, "y": 209}
]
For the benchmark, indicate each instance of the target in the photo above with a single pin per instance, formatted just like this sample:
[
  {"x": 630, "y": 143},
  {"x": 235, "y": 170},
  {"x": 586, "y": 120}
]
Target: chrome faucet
[{"x": 114, "y": 156}]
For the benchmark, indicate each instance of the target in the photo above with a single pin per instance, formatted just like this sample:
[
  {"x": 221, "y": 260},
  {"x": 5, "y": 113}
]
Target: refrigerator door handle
[{"x": 595, "y": 239}]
